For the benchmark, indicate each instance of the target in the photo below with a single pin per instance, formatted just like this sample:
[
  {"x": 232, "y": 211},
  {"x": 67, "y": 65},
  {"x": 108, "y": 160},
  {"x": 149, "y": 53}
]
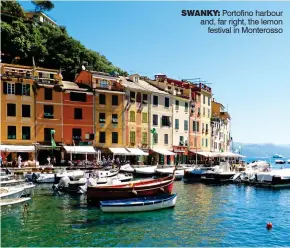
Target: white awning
[
  {"x": 163, "y": 151},
  {"x": 206, "y": 154},
  {"x": 80, "y": 149},
  {"x": 230, "y": 155},
  {"x": 137, "y": 152},
  {"x": 119, "y": 151},
  {"x": 15, "y": 148}
]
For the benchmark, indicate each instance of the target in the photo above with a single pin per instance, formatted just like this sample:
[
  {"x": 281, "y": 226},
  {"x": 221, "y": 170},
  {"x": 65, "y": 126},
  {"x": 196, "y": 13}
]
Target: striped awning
[
  {"x": 137, "y": 152},
  {"x": 119, "y": 151},
  {"x": 80, "y": 149},
  {"x": 16, "y": 148},
  {"x": 163, "y": 152}
]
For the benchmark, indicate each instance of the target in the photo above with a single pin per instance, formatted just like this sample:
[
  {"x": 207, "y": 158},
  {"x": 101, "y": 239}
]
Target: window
[
  {"x": 139, "y": 97},
  {"x": 78, "y": 114},
  {"x": 195, "y": 126},
  {"x": 102, "y": 118},
  {"x": 206, "y": 127},
  {"x": 47, "y": 134},
  {"x": 11, "y": 109},
  {"x": 203, "y": 99},
  {"x": 155, "y": 120},
  {"x": 144, "y": 117},
  {"x": 132, "y": 96},
  {"x": 11, "y": 132},
  {"x": 203, "y": 111},
  {"x": 155, "y": 138},
  {"x": 181, "y": 140},
  {"x": 102, "y": 137},
  {"x": 176, "y": 104},
  {"x": 185, "y": 125},
  {"x": 166, "y": 139},
  {"x": 208, "y": 113},
  {"x": 203, "y": 127},
  {"x": 181, "y": 92},
  {"x": 26, "y": 133},
  {"x": 198, "y": 111},
  {"x": 48, "y": 93},
  {"x": 51, "y": 76},
  {"x": 186, "y": 107},
  {"x": 145, "y": 98},
  {"x": 166, "y": 102},
  {"x": 115, "y": 100},
  {"x": 26, "y": 89},
  {"x": 144, "y": 138},
  {"x": 115, "y": 118},
  {"x": 176, "y": 124},
  {"x": 206, "y": 143},
  {"x": 102, "y": 99},
  {"x": 104, "y": 84},
  {"x": 78, "y": 97},
  {"x": 11, "y": 88},
  {"x": 155, "y": 100},
  {"x": 25, "y": 110},
  {"x": 132, "y": 116},
  {"x": 48, "y": 111},
  {"x": 208, "y": 101},
  {"x": 77, "y": 133},
  {"x": 165, "y": 121},
  {"x": 115, "y": 137},
  {"x": 202, "y": 142},
  {"x": 132, "y": 137}
]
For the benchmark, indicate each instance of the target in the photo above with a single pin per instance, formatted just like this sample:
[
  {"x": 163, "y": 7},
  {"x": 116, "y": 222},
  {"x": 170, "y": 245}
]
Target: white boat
[
  {"x": 12, "y": 182},
  {"x": 46, "y": 178},
  {"x": 280, "y": 161},
  {"x": 28, "y": 188},
  {"x": 150, "y": 170},
  {"x": 179, "y": 174},
  {"x": 141, "y": 204},
  {"x": 288, "y": 161},
  {"x": 14, "y": 201},
  {"x": 274, "y": 178},
  {"x": 165, "y": 171},
  {"x": 127, "y": 168},
  {"x": 9, "y": 192},
  {"x": 106, "y": 173}
]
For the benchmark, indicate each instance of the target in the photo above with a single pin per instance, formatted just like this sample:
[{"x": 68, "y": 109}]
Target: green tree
[{"x": 41, "y": 5}]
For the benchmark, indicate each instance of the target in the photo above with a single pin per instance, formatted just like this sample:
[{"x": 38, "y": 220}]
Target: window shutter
[
  {"x": 4, "y": 87},
  {"x": 27, "y": 90},
  {"x": 18, "y": 89}
]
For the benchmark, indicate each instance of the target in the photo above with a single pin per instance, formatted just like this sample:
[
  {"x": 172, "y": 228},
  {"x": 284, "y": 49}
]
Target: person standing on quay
[
  {"x": 19, "y": 161},
  {"x": 48, "y": 160}
]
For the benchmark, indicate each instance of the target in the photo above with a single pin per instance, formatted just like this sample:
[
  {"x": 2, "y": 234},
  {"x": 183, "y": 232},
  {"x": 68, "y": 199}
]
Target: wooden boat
[
  {"x": 132, "y": 189},
  {"x": 14, "y": 201},
  {"x": 146, "y": 171},
  {"x": 141, "y": 204}
]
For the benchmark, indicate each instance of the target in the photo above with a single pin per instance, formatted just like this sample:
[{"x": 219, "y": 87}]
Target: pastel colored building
[
  {"x": 180, "y": 99},
  {"x": 17, "y": 112},
  {"x": 108, "y": 103}
]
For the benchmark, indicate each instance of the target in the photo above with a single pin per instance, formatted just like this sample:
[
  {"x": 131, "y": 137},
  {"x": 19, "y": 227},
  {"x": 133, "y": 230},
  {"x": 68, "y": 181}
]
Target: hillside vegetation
[{"x": 51, "y": 47}]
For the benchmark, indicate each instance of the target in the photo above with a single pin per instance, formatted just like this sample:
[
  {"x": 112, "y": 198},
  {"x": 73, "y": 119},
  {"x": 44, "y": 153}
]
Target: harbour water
[{"x": 225, "y": 215}]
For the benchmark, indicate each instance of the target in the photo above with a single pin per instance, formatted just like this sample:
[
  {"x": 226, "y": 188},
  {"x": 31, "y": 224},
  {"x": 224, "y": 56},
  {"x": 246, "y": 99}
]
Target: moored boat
[
  {"x": 9, "y": 193},
  {"x": 13, "y": 201},
  {"x": 127, "y": 168},
  {"x": 165, "y": 171},
  {"x": 141, "y": 204},
  {"x": 280, "y": 161},
  {"x": 219, "y": 174},
  {"x": 146, "y": 171},
  {"x": 194, "y": 174},
  {"x": 277, "y": 156},
  {"x": 288, "y": 161},
  {"x": 178, "y": 174},
  {"x": 132, "y": 189},
  {"x": 274, "y": 178}
]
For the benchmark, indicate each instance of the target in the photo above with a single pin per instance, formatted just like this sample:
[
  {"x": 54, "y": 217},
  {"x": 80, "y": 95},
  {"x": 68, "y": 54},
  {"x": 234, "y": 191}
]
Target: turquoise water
[{"x": 227, "y": 215}]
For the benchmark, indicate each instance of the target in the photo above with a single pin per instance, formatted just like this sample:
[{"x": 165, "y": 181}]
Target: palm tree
[{"x": 41, "y": 5}]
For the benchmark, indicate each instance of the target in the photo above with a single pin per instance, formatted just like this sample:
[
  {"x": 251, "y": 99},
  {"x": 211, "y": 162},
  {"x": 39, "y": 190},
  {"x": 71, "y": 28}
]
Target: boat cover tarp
[
  {"x": 119, "y": 151},
  {"x": 17, "y": 148},
  {"x": 163, "y": 152},
  {"x": 80, "y": 149},
  {"x": 137, "y": 152}
]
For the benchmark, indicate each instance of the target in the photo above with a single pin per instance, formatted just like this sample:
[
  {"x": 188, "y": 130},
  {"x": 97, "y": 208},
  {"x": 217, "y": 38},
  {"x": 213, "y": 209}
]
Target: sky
[{"x": 249, "y": 73}]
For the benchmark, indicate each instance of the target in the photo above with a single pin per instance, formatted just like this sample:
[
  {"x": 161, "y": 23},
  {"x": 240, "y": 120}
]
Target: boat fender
[
  {"x": 131, "y": 184},
  {"x": 269, "y": 225},
  {"x": 134, "y": 192}
]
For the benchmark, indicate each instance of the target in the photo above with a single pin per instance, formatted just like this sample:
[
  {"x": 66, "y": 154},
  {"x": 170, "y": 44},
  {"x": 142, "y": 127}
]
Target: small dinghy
[
  {"x": 146, "y": 171},
  {"x": 179, "y": 174},
  {"x": 14, "y": 201},
  {"x": 139, "y": 204},
  {"x": 127, "y": 168}
]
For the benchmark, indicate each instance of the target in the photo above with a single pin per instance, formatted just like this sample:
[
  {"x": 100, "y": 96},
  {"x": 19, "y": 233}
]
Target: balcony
[{"x": 9, "y": 75}]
